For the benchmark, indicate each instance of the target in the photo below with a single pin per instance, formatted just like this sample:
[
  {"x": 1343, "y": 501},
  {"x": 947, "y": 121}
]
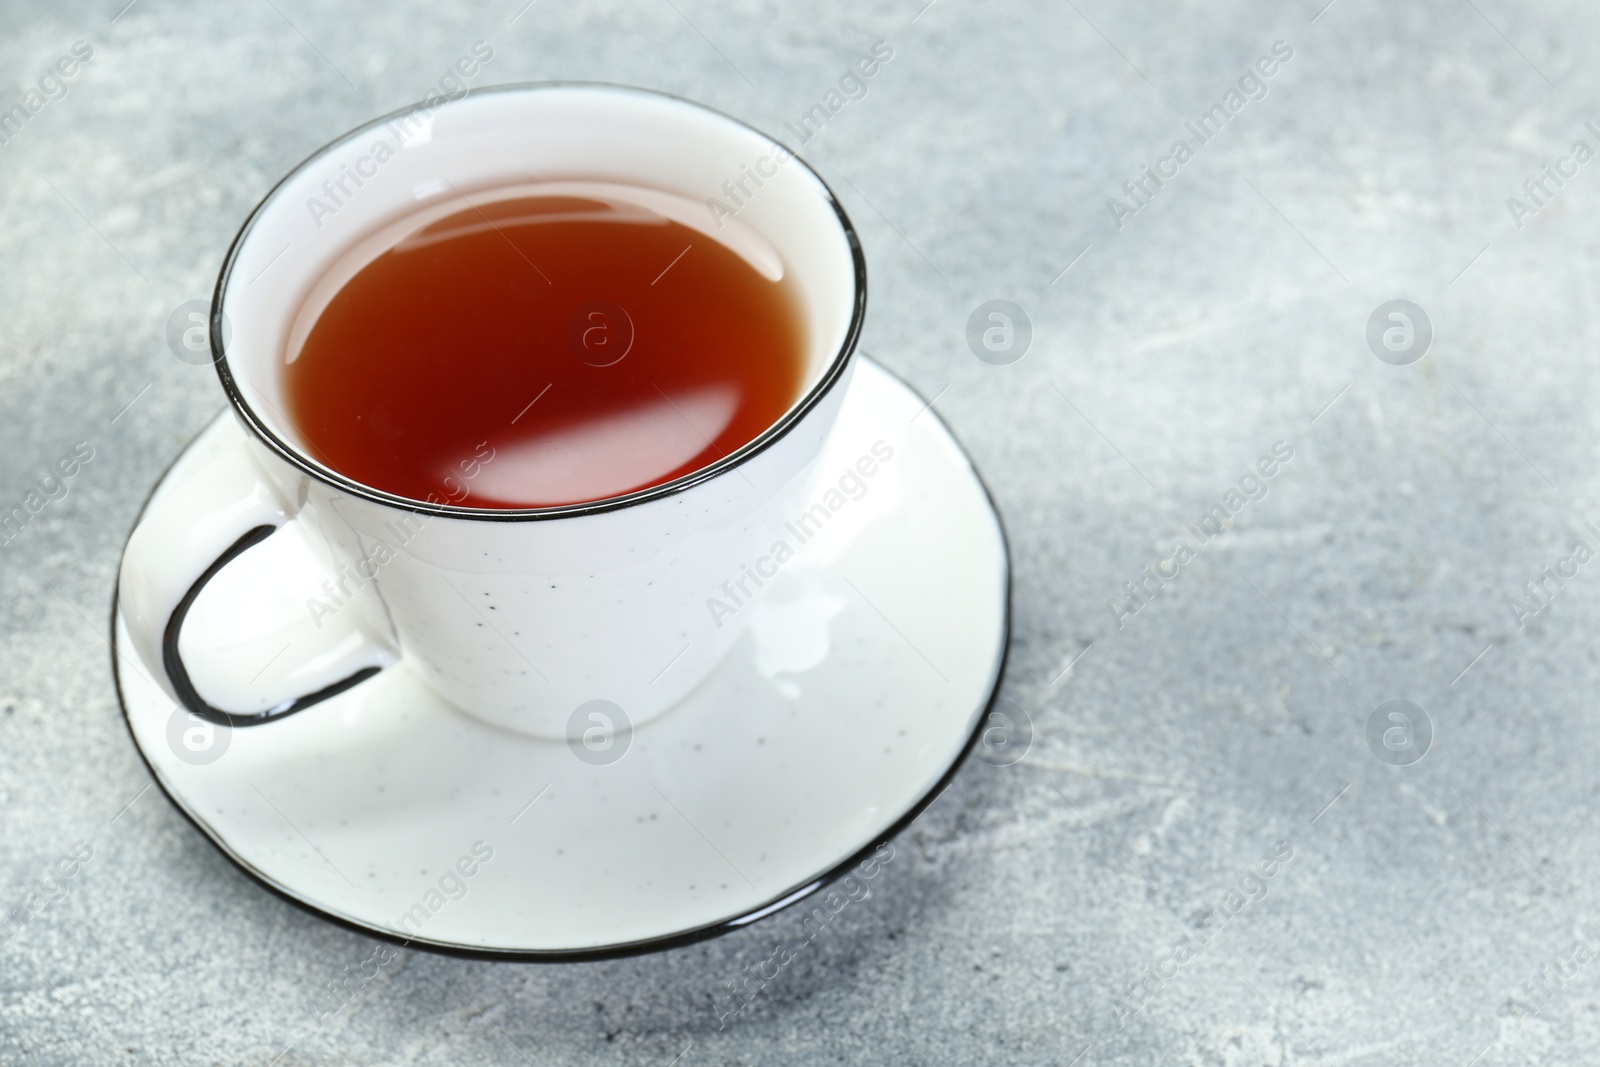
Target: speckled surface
[{"x": 1422, "y": 905}]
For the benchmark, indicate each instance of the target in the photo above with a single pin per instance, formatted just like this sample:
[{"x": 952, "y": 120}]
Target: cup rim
[{"x": 825, "y": 383}]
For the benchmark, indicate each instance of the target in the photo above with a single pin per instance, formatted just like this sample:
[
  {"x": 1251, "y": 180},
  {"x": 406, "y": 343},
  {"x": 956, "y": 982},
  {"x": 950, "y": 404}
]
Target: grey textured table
[{"x": 1429, "y": 913}]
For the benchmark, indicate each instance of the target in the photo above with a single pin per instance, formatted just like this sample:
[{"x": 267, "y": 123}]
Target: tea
[{"x": 562, "y": 348}]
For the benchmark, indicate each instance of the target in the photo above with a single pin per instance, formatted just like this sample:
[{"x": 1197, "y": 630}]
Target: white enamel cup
[{"x": 517, "y": 617}]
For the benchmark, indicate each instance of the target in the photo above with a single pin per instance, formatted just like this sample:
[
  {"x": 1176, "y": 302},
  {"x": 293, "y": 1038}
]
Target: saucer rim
[{"x": 664, "y": 942}]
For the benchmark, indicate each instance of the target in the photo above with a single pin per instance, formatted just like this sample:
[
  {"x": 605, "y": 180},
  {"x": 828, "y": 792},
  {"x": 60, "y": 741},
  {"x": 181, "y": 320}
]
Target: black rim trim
[
  {"x": 770, "y": 436},
  {"x": 178, "y": 674},
  {"x": 635, "y": 948}
]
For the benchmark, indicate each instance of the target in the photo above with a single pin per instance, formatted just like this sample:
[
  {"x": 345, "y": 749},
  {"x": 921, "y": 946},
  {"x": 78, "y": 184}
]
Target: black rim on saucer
[{"x": 775, "y": 905}]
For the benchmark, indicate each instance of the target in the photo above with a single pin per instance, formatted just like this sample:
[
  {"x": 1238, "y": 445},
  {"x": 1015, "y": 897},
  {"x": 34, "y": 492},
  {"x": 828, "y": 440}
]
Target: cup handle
[{"x": 197, "y": 528}]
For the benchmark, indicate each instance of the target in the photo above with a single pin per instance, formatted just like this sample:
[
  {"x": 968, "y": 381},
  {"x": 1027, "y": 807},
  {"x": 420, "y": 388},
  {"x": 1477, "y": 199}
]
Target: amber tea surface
[{"x": 545, "y": 350}]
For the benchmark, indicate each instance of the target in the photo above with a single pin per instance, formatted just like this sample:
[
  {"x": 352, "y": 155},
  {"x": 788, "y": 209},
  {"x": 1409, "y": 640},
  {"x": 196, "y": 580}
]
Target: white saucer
[{"x": 838, "y": 716}]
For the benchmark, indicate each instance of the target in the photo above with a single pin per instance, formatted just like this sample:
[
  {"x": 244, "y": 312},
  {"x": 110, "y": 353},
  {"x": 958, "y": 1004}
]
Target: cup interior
[{"x": 365, "y": 192}]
